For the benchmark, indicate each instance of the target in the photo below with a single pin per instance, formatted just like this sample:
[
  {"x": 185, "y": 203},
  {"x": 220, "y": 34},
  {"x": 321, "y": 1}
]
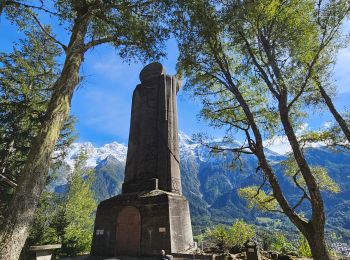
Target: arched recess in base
[{"x": 128, "y": 232}]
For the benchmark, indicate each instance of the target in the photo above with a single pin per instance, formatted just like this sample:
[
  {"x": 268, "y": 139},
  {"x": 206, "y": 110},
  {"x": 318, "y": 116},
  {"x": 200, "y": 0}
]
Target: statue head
[{"x": 152, "y": 70}]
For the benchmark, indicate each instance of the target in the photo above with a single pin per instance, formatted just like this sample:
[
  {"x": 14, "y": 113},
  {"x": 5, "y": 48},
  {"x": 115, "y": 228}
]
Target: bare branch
[
  {"x": 41, "y": 8},
  {"x": 272, "y": 61},
  {"x": 261, "y": 186},
  {"x": 225, "y": 109},
  {"x": 109, "y": 39},
  {"x": 299, "y": 186},
  {"x": 8, "y": 182},
  {"x": 260, "y": 69},
  {"x": 241, "y": 149},
  {"x": 300, "y": 201},
  {"x": 64, "y": 47}
]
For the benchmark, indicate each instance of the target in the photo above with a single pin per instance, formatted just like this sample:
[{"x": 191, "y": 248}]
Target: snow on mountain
[
  {"x": 119, "y": 151},
  {"x": 188, "y": 149},
  {"x": 96, "y": 154},
  {"x": 187, "y": 146}
]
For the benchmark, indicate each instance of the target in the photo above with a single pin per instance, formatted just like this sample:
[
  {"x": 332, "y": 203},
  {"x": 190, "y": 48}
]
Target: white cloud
[
  {"x": 278, "y": 144},
  {"x": 106, "y": 63},
  {"x": 302, "y": 129},
  {"x": 327, "y": 124}
]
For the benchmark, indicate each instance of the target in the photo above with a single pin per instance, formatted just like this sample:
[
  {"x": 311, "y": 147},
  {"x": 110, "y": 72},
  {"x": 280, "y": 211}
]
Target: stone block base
[{"x": 142, "y": 224}]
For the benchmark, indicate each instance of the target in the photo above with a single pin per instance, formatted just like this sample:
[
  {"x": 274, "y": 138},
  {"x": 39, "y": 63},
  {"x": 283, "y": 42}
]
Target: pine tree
[
  {"x": 26, "y": 78},
  {"x": 66, "y": 218},
  {"x": 136, "y": 28},
  {"x": 80, "y": 207}
]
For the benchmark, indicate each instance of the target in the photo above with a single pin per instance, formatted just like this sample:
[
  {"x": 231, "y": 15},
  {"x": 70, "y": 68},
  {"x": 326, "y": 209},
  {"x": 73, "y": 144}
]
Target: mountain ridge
[{"x": 211, "y": 183}]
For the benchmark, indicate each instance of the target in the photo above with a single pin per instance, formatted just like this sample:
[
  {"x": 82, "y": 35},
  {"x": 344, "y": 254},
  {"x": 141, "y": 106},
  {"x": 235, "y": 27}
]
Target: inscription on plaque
[{"x": 99, "y": 232}]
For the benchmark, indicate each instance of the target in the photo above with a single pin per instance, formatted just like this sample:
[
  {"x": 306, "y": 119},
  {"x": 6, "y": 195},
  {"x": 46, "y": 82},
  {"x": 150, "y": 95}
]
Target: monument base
[{"x": 142, "y": 224}]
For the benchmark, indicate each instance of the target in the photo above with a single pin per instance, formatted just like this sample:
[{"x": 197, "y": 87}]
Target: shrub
[
  {"x": 235, "y": 236},
  {"x": 304, "y": 249}
]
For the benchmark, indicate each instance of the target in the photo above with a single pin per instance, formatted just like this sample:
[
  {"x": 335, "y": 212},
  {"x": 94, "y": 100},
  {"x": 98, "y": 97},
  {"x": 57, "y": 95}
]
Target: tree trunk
[
  {"x": 264, "y": 164},
  {"x": 317, "y": 243},
  {"x": 315, "y": 238},
  {"x": 315, "y": 235},
  {"x": 33, "y": 176},
  {"x": 344, "y": 127},
  {"x": 5, "y": 156}
]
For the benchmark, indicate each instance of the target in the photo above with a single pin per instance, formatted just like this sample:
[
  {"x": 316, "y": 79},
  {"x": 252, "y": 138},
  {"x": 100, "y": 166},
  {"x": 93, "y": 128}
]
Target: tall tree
[
  {"x": 26, "y": 78},
  {"x": 136, "y": 28},
  {"x": 330, "y": 19},
  {"x": 253, "y": 63}
]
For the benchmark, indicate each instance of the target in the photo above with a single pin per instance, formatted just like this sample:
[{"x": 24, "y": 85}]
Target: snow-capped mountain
[
  {"x": 188, "y": 148},
  {"x": 96, "y": 154},
  {"x": 211, "y": 182}
]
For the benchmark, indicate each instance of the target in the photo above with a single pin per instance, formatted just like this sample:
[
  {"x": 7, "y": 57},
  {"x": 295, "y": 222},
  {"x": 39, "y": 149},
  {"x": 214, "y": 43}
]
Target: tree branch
[
  {"x": 261, "y": 186},
  {"x": 299, "y": 186},
  {"x": 300, "y": 201},
  {"x": 113, "y": 38},
  {"x": 64, "y": 47},
  {"x": 41, "y": 8},
  {"x": 260, "y": 69}
]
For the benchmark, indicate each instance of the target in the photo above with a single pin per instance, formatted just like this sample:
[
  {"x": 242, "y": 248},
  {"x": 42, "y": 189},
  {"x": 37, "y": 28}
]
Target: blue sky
[{"x": 103, "y": 103}]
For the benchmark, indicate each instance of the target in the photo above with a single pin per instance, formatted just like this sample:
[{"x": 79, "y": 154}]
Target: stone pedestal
[
  {"x": 44, "y": 252},
  {"x": 142, "y": 224},
  {"x": 252, "y": 251}
]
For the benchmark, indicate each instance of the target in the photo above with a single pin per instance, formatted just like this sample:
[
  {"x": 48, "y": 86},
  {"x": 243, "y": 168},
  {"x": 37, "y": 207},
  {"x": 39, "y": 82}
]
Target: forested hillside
[{"x": 211, "y": 183}]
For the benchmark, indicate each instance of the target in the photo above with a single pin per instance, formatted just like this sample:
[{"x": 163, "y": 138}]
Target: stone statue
[
  {"x": 151, "y": 214},
  {"x": 153, "y": 149}
]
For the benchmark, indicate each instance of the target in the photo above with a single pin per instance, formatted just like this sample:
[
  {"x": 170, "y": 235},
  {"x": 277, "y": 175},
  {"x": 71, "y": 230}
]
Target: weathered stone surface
[
  {"x": 151, "y": 214},
  {"x": 45, "y": 247},
  {"x": 252, "y": 251},
  {"x": 44, "y": 252},
  {"x": 165, "y": 224},
  {"x": 153, "y": 148},
  {"x": 151, "y": 71}
]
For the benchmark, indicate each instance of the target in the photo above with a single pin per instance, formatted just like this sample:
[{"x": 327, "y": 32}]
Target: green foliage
[
  {"x": 331, "y": 135},
  {"x": 26, "y": 78},
  {"x": 253, "y": 66},
  {"x": 80, "y": 207},
  {"x": 67, "y": 218},
  {"x": 240, "y": 233},
  {"x": 137, "y": 29},
  {"x": 279, "y": 243},
  {"x": 324, "y": 181},
  {"x": 269, "y": 222},
  {"x": 219, "y": 236},
  {"x": 304, "y": 249},
  {"x": 200, "y": 240},
  {"x": 44, "y": 230},
  {"x": 225, "y": 238},
  {"x": 259, "y": 198}
]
